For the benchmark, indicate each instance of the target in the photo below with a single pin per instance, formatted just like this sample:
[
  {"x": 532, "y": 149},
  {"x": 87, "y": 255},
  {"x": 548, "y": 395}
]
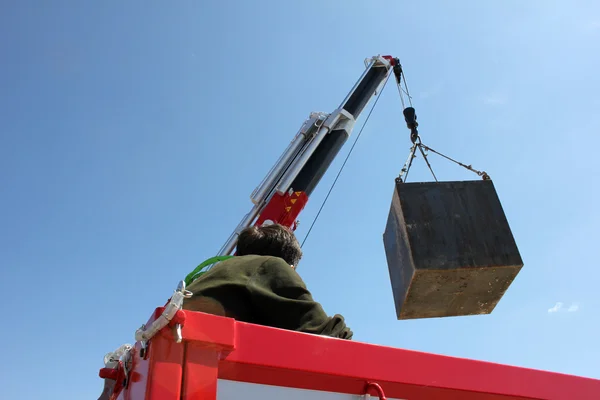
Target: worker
[{"x": 260, "y": 285}]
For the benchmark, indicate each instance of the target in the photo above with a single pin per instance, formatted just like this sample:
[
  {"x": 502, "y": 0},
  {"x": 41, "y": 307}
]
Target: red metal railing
[{"x": 220, "y": 348}]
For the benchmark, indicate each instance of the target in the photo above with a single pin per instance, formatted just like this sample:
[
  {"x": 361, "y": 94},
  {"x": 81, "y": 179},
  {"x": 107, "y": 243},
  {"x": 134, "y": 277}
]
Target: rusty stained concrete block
[{"x": 449, "y": 248}]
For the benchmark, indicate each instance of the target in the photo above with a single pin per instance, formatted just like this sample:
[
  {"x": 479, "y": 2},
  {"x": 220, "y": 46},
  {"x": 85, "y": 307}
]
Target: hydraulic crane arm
[{"x": 284, "y": 192}]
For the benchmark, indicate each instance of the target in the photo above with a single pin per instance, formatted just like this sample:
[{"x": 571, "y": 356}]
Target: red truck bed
[{"x": 222, "y": 358}]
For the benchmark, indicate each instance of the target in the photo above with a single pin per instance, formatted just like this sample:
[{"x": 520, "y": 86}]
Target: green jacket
[{"x": 265, "y": 291}]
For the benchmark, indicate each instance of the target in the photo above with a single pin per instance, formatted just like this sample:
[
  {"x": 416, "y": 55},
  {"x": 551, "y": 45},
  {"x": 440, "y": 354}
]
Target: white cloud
[{"x": 557, "y": 307}]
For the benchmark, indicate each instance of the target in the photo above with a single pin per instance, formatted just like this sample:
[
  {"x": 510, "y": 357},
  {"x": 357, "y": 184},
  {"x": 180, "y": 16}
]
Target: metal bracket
[
  {"x": 143, "y": 349},
  {"x": 145, "y": 333},
  {"x": 126, "y": 362},
  {"x": 377, "y": 388},
  {"x": 120, "y": 362}
]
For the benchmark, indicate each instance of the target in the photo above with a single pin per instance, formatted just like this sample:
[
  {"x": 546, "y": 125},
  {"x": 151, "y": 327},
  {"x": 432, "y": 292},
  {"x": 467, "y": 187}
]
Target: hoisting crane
[
  {"x": 183, "y": 355},
  {"x": 284, "y": 192}
]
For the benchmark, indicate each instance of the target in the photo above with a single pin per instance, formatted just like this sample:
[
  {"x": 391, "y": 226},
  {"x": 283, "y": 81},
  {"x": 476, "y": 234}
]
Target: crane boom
[
  {"x": 284, "y": 192},
  {"x": 184, "y": 355}
]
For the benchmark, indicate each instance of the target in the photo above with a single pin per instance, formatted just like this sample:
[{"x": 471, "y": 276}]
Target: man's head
[{"x": 270, "y": 240}]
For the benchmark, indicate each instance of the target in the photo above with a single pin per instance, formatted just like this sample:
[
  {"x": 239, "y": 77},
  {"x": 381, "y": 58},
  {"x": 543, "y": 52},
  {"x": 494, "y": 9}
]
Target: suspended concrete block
[{"x": 449, "y": 248}]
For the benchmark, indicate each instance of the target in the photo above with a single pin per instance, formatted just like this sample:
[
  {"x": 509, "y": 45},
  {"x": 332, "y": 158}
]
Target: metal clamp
[
  {"x": 143, "y": 349},
  {"x": 126, "y": 362},
  {"x": 321, "y": 120},
  {"x": 111, "y": 360},
  {"x": 145, "y": 333},
  {"x": 117, "y": 366}
]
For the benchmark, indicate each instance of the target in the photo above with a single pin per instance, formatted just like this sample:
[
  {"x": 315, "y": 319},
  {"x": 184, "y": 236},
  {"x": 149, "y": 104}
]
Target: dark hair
[{"x": 270, "y": 240}]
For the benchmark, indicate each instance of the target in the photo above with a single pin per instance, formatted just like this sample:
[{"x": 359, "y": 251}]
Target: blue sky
[{"x": 131, "y": 136}]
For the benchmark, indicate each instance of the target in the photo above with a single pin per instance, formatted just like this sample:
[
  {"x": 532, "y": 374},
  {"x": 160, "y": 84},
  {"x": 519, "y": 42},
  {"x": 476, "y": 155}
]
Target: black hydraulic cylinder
[
  {"x": 321, "y": 159},
  {"x": 365, "y": 90}
]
